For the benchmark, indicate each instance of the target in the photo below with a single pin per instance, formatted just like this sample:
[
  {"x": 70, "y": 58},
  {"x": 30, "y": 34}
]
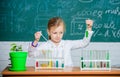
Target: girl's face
[{"x": 56, "y": 33}]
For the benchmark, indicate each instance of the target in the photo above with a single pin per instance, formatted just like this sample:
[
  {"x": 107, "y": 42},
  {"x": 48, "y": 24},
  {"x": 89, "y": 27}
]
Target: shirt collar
[{"x": 61, "y": 43}]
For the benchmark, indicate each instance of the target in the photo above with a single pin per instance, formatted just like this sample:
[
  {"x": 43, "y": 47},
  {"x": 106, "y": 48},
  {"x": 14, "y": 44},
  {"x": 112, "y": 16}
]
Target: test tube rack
[
  {"x": 95, "y": 60},
  {"x": 57, "y": 63}
]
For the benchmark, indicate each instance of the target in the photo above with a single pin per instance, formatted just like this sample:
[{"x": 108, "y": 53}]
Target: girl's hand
[
  {"x": 37, "y": 36},
  {"x": 89, "y": 24}
]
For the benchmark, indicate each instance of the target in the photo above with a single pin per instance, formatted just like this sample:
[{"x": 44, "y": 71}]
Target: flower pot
[{"x": 18, "y": 61}]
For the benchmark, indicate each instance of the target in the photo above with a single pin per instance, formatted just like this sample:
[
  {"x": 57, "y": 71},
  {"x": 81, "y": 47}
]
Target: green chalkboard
[{"x": 20, "y": 19}]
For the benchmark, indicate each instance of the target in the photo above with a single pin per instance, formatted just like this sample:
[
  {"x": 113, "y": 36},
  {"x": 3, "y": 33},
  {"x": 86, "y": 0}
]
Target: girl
[{"x": 59, "y": 47}]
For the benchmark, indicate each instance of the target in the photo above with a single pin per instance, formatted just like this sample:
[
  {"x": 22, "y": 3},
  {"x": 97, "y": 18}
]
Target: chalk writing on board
[
  {"x": 110, "y": 30},
  {"x": 114, "y": 2},
  {"x": 18, "y": 17},
  {"x": 87, "y": 13},
  {"x": 66, "y": 4},
  {"x": 85, "y": 1},
  {"x": 115, "y": 11},
  {"x": 39, "y": 25},
  {"x": 108, "y": 33},
  {"x": 77, "y": 24},
  {"x": 42, "y": 7}
]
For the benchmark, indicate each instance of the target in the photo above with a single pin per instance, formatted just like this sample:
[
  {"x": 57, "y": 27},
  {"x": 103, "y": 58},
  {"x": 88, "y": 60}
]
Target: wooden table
[{"x": 67, "y": 72}]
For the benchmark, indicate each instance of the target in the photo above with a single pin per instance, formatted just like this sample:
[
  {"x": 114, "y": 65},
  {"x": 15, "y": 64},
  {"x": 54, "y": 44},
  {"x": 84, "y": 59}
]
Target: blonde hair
[{"x": 55, "y": 22}]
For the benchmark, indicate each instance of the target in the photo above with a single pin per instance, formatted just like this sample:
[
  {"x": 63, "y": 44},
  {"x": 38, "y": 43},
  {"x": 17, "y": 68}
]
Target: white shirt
[{"x": 62, "y": 50}]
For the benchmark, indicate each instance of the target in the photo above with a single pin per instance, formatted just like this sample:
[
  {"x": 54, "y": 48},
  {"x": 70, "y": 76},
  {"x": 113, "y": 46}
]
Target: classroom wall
[{"x": 114, "y": 49}]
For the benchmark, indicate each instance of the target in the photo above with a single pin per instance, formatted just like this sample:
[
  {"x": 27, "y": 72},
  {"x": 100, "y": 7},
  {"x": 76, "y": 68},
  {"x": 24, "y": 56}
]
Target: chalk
[{"x": 43, "y": 36}]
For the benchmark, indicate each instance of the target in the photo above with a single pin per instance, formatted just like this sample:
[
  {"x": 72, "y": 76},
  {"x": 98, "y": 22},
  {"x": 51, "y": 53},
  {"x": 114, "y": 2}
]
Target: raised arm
[{"x": 88, "y": 34}]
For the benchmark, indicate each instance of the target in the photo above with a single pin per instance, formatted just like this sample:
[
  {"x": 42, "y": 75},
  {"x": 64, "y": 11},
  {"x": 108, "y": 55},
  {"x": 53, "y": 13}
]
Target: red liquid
[{"x": 36, "y": 64}]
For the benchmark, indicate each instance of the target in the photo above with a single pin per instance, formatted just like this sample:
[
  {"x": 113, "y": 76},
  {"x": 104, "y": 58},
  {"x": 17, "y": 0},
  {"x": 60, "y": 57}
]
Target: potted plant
[{"x": 18, "y": 58}]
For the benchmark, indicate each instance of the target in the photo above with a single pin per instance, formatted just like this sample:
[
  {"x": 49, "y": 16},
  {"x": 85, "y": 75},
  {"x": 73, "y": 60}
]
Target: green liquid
[{"x": 86, "y": 33}]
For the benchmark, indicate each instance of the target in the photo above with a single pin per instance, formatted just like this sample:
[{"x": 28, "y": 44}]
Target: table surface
[{"x": 67, "y": 71}]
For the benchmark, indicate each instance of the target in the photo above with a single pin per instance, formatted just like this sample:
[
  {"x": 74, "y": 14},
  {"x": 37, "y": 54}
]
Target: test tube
[
  {"x": 62, "y": 63},
  {"x": 82, "y": 64},
  {"x": 57, "y": 63},
  {"x": 36, "y": 63},
  {"x": 86, "y": 34},
  {"x": 50, "y": 63},
  {"x": 107, "y": 57},
  {"x": 90, "y": 59},
  {"x": 50, "y": 55}
]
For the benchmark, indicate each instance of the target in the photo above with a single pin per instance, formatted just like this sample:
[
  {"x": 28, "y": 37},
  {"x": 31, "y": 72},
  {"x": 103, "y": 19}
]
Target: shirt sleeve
[
  {"x": 83, "y": 42},
  {"x": 35, "y": 52},
  {"x": 31, "y": 51}
]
